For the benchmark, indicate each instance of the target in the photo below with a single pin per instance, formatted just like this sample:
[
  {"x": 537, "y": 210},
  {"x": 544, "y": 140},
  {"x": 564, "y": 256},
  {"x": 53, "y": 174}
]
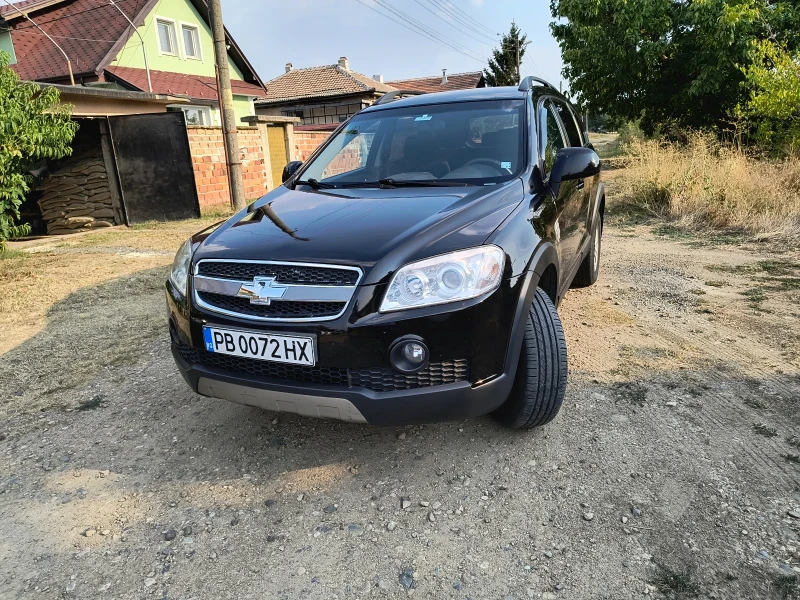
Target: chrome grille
[
  {"x": 276, "y": 310},
  {"x": 274, "y": 291},
  {"x": 288, "y": 274}
]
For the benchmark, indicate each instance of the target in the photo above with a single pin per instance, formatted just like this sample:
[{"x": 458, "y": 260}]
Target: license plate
[{"x": 292, "y": 349}]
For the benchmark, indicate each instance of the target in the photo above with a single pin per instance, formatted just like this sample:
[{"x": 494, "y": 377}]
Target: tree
[
  {"x": 668, "y": 62},
  {"x": 503, "y": 64},
  {"x": 772, "y": 109},
  {"x": 33, "y": 126}
]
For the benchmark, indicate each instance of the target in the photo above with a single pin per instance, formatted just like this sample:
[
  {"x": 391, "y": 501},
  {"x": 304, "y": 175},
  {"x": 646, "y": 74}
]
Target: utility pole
[{"x": 229, "y": 131}]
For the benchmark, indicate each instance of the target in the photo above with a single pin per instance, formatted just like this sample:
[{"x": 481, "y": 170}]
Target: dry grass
[
  {"x": 703, "y": 185},
  {"x": 35, "y": 278}
]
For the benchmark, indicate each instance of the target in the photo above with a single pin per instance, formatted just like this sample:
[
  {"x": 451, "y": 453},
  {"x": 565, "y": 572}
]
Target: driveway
[{"x": 672, "y": 470}]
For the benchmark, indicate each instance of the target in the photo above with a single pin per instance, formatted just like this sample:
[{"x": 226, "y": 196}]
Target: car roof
[{"x": 471, "y": 95}]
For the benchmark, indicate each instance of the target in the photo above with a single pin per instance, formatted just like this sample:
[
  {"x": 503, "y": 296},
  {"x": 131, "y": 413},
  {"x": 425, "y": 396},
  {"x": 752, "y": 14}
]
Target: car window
[
  {"x": 353, "y": 154},
  {"x": 552, "y": 140},
  {"x": 568, "y": 120},
  {"x": 473, "y": 142}
]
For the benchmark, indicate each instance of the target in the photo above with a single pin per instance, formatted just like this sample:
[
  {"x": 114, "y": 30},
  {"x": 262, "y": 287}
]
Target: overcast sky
[{"x": 310, "y": 33}]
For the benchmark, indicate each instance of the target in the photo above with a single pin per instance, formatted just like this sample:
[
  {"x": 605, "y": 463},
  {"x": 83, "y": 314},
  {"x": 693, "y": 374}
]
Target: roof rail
[
  {"x": 388, "y": 97},
  {"x": 527, "y": 83}
]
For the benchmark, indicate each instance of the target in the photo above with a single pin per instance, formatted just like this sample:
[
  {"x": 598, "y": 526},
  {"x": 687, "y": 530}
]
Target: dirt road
[{"x": 672, "y": 470}]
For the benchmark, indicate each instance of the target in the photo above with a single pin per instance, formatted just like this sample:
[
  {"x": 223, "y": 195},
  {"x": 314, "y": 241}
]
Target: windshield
[{"x": 470, "y": 142}]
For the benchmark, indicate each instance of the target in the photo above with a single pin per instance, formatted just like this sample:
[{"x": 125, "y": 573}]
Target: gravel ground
[{"x": 672, "y": 470}]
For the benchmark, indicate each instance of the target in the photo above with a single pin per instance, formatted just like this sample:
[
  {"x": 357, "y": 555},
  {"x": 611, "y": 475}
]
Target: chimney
[
  {"x": 378, "y": 78},
  {"x": 288, "y": 67},
  {"x": 343, "y": 62},
  {"x": 444, "y": 76}
]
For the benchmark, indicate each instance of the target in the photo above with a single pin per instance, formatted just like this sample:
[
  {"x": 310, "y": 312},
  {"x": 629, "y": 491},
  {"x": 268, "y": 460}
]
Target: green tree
[
  {"x": 772, "y": 109},
  {"x": 33, "y": 126},
  {"x": 503, "y": 64},
  {"x": 669, "y": 62}
]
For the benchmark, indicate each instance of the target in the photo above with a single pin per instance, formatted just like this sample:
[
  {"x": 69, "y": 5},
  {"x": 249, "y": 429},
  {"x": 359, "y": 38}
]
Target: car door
[
  {"x": 586, "y": 188},
  {"x": 551, "y": 140}
]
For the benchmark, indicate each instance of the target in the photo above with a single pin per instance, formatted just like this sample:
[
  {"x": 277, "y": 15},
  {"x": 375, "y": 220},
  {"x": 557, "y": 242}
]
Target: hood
[{"x": 362, "y": 227}]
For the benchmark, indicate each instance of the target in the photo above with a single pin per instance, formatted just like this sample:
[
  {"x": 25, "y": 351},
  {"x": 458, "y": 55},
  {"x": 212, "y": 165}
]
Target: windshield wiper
[
  {"x": 389, "y": 183},
  {"x": 421, "y": 183},
  {"x": 317, "y": 185}
]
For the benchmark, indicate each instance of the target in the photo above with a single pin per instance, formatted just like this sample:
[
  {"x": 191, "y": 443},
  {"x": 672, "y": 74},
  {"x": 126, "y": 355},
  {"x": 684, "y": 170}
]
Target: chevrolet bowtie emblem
[{"x": 263, "y": 290}]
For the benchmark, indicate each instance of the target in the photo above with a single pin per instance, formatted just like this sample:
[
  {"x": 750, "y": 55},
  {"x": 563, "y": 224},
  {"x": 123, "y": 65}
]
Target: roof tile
[
  {"x": 194, "y": 86},
  {"x": 320, "y": 82},
  {"x": 427, "y": 85}
]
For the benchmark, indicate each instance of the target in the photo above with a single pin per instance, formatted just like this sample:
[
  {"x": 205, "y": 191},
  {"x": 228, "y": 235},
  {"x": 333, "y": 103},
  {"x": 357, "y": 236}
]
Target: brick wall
[
  {"x": 305, "y": 142},
  {"x": 211, "y": 174}
]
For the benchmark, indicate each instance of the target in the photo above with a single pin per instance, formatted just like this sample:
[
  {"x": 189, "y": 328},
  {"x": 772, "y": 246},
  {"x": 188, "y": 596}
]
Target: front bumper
[{"x": 484, "y": 333}]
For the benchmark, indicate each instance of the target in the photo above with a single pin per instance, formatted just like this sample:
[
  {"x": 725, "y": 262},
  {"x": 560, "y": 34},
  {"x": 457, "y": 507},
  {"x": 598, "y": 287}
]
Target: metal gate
[{"x": 155, "y": 167}]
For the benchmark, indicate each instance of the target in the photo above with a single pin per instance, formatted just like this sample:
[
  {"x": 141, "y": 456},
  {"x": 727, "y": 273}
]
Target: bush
[
  {"x": 33, "y": 126},
  {"x": 707, "y": 185}
]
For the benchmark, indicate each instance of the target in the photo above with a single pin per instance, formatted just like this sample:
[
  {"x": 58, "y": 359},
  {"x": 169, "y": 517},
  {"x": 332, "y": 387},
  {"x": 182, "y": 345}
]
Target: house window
[
  {"x": 195, "y": 115},
  {"x": 166, "y": 37},
  {"x": 191, "y": 42}
]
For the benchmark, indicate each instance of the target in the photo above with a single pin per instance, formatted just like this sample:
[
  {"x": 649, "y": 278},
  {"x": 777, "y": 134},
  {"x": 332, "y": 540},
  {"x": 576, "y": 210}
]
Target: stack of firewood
[{"x": 77, "y": 196}]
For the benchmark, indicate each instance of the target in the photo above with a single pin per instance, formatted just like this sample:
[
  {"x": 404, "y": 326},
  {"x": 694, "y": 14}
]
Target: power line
[
  {"x": 450, "y": 12},
  {"x": 433, "y": 12},
  {"x": 419, "y": 32},
  {"x": 466, "y": 16},
  {"x": 429, "y": 30}
]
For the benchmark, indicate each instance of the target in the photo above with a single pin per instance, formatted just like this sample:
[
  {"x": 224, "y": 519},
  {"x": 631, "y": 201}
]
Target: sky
[{"x": 310, "y": 33}]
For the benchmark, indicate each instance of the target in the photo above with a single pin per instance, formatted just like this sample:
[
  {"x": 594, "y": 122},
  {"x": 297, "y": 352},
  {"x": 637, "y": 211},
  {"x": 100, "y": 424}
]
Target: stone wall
[
  {"x": 207, "y": 147},
  {"x": 77, "y": 195}
]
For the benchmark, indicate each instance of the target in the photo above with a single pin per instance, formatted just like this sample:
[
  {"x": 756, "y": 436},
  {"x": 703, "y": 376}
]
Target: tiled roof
[
  {"x": 194, "y": 86},
  {"x": 457, "y": 81},
  {"x": 26, "y": 6},
  {"x": 87, "y": 30},
  {"x": 320, "y": 82}
]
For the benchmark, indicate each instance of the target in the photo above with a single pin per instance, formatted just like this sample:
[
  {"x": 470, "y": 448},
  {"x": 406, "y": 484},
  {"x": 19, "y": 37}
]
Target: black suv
[{"x": 408, "y": 272}]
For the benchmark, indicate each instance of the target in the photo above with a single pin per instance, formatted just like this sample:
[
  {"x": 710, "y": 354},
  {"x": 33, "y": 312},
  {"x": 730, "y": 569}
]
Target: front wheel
[
  {"x": 590, "y": 267},
  {"x": 541, "y": 378}
]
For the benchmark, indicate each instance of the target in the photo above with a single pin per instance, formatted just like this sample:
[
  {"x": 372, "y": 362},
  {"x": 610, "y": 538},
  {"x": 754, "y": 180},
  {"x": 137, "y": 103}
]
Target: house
[
  {"x": 332, "y": 93},
  {"x": 443, "y": 83},
  {"x": 169, "y": 53},
  {"x": 319, "y": 95}
]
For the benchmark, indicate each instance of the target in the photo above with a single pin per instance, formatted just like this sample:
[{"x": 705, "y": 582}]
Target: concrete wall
[{"x": 211, "y": 174}]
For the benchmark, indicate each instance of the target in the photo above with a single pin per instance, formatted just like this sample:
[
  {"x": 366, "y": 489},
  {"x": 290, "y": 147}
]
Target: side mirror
[
  {"x": 574, "y": 163},
  {"x": 290, "y": 169}
]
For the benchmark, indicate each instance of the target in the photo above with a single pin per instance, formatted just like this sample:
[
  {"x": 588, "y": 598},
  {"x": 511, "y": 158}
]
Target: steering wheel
[{"x": 489, "y": 162}]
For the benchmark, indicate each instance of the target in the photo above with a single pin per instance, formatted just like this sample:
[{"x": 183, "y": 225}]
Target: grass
[
  {"x": 793, "y": 441},
  {"x": 9, "y": 254},
  {"x": 675, "y": 584},
  {"x": 716, "y": 283},
  {"x": 705, "y": 186},
  {"x": 792, "y": 458},
  {"x": 786, "y": 586},
  {"x": 764, "y": 430}
]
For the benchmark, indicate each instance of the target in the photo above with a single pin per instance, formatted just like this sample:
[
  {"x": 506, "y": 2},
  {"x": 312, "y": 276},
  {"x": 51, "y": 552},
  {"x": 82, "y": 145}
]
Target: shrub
[
  {"x": 33, "y": 126},
  {"x": 708, "y": 185}
]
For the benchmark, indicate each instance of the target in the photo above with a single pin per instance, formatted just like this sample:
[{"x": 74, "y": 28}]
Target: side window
[
  {"x": 352, "y": 155},
  {"x": 552, "y": 140},
  {"x": 568, "y": 120}
]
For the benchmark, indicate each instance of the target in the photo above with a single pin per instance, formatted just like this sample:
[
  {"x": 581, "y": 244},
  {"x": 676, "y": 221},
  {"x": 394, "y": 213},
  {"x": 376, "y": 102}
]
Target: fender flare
[
  {"x": 598, "y": 198},
  {"x": 544, "y": 257}
]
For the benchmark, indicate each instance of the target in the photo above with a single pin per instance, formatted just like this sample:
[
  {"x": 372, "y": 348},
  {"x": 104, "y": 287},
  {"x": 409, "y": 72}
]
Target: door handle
[{"x": 580, "y": 184}]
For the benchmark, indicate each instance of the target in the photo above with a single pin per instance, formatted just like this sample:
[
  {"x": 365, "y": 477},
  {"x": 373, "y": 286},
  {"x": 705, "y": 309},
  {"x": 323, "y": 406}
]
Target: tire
[
  {"x": 541, "y": 377},
  {"x": 590, "y": 267}
]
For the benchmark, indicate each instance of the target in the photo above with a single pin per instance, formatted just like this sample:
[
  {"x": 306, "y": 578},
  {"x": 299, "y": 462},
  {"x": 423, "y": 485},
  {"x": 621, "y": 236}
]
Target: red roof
[
  {"x": 87, "y": 30},
  {"x": 166, "y": 82},
  {"x": 427, "y": 85}
]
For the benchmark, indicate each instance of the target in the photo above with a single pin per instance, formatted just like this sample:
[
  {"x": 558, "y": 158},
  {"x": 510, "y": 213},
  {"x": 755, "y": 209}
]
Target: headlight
[
  {"x": 447, "y": 278},
  {"x": 180, "y": 267}
]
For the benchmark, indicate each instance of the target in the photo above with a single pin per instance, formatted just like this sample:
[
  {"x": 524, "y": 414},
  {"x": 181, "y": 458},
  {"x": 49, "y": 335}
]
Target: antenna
[
  {"x": 69, "y": 63},
  {"x": 144, "y": 50}
]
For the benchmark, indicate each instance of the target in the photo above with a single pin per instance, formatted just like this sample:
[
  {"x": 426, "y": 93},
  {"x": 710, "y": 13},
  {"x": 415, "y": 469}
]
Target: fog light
[{"x": 409, "y": 354}]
